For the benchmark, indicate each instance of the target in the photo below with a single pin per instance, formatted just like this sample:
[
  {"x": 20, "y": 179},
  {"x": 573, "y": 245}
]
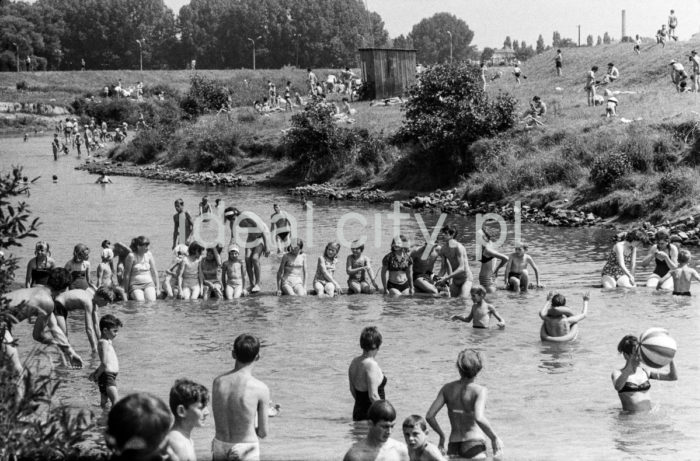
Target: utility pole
[
  {"x": 579, "y": 35},
  {"x": 450, "y": 34}
]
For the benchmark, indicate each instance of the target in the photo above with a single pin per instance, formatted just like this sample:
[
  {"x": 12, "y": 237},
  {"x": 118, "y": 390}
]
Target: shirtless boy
[
  {"x": 257, "y": 243},
  {"x": 481, "y": 312},
  {"x": 415, "y": 432},
  {"x": 466, "y": 407},
  {"x": 188, "y": 402},
  {"x": 280, "y": 228},
  {"x": 683, "y": 276},
  {"x": 183, "y": 224},
  {"x": 106, "y": 374},
  {"x": 378, "y": 446},
  {"x": 516, "y": 275},
  {"x": 86, "y": 303},
  {"x": 240, "y": 404},
  {"x": 454, "y": 261},
  {"x": 557, "y": 323}
]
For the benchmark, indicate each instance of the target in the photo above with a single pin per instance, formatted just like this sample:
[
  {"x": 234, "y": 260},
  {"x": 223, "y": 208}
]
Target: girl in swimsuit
[
  {"x": 141, "y": 280},
  {"x": 210, "y": 274},
  {"x": 189, "y": 282},
  {"x": 665, "y": 255},
  {"x": 487, "y": 273},
  {"x": 79, "y": 268},
  {"x": 399, "y": 265},
  {"x": 291, "y": 276},
  {"x": 324, "y": 281},
  {"x": 39, "y": 266},
  {"x": 632, "y": 381},
  {"x": 366, "y": 378},
  {"x": 359, "y": 269},
  {"x": 622, "y": 255},
  {"x": 233, "y": 275}
]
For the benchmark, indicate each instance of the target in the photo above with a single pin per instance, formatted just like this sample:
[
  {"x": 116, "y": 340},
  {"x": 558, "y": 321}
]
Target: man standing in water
[
  {"x": 280, "y": 228},
  {"x": 458, "y": 271},
  {"x": 257, "y": 243},
  {"x": 183, "y": 225},
  {"x": 240, "y": 403},
  {"x": 378, "y": 446}
]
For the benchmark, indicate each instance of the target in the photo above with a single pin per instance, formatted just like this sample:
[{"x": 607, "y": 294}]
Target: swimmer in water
[
  {"x": 481, "y": 311},
  {"x": 455, "y": 264},
  {"x": 103, "y": 179},
  {"x": 556, "y": 322},
  {"x": 682, "y": 276},
  {"x": 517, "y": 277}
]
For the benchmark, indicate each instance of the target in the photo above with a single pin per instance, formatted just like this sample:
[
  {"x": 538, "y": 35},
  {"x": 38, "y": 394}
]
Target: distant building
[{"x": 503, "y": 57}]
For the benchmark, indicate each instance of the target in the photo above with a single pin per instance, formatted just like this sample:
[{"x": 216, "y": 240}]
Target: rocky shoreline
[{"x": 166, "y": 174}]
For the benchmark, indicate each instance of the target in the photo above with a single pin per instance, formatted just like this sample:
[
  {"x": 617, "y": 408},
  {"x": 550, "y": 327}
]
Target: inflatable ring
[{"x": 573, "y": 333}]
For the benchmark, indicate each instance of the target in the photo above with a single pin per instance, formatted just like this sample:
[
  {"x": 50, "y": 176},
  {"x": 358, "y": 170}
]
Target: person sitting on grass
[
  {"x": 612, "y": 74},
  {"x": 537, "y": 110}
]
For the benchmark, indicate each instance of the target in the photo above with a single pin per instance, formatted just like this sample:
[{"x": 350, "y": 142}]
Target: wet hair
[
  {"x": 185, "y": 392},
  {"x": 635, "y": 236},
  {"x": 381, "y": 410},
  {"x": 246, "y": 347},
  {"x": 558, "y": 300},
  {"x": 105, "y": 293},
  {"x": 194, "y": 249},
  {"x": 415, "y": 420},
  {"x": 469, "y": 363},
  {"x": 106, "y": 244},
  {"x": 59, "y": 279},
  {"x": 138, "y": 241},
  {"x": 683, "y": 256},
  {"x": 44, "y": 245},
  {"x": 109, "y": 321},
  {"x": 334, "y": 245},
  {"x": 478, "y": 290},
  {"x": 78, "y": 249},
  {"x": 137, "y": 425},
  {"x": 449, "y": 229},
  {"x": 628, "y": 345},
  {"x": 370, "y": 338}
]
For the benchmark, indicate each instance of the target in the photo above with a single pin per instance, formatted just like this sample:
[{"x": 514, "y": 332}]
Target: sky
[{"x": 493, "y": 20}]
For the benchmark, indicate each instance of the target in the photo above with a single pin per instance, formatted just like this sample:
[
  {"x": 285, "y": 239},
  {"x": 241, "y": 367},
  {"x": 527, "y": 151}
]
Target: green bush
[
  {"x": 212, "y": 144},
  {"x": 608, "y": 168},
  {"x": 204, "y": 95},
  {"x": 22, "y": 86},
  {"x": 680, "y": 182}
]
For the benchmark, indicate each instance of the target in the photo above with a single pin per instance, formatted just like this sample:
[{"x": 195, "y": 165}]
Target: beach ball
[{"x": 656, "y": 347}]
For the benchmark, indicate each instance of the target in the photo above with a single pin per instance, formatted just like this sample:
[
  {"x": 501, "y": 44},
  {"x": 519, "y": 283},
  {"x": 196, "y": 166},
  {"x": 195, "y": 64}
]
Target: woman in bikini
[
  {"x": 632, "y": 381},
  {"x": 487, "y": 273},
  {"x": 39, "y": 266},
  {"x": 665, "y": 255},
  {"x": 620, "y": 265},
  {"x": 366, "y": 378},
  {"x": 141, "y": 280},
  {"x": 210, "y": 274},
  {"x": 324, "y": 281},
  {"x": 291, "y": 276},
  {"x": 359, "y": 269},
  {"x": 189, "y": 283},
  {"x": 399, "y": 266},
  {"x": 79, "y": 268},
  {"x": 233, "y": 274}
]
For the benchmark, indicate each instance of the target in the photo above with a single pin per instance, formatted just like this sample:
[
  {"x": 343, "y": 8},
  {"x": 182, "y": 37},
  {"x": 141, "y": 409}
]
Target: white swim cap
[{"x": 180, "y": 250}]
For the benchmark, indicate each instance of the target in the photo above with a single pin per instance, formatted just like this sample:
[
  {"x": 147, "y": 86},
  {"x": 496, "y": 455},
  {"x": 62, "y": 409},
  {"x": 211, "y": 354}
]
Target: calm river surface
[{"x": 545, "y": 402}]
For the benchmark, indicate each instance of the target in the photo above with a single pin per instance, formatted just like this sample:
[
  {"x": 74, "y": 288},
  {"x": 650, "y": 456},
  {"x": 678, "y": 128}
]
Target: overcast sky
[{"x": 492, "y": 20}]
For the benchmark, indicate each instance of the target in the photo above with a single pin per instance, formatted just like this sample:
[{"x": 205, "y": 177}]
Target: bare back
[
  {"x": 237, "y": 397},
  {"x": 460, "y": 399}
]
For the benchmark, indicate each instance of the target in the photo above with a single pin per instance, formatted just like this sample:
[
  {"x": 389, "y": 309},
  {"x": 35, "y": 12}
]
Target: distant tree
[
  {"x": 540, "y": 44},
  {"x": 606, "y": 39},
  {"x": 567, "y": 43},
  {"x": 487, "y": 54},
  {"x": 524, "y": 52},
  {"x": 507, "y": 43},
  {"x": 599, "y": 41},
  {"x": 589, "y": 40},
  {"x": 402, "y": 42},
  {"x": 556, "y": 38},
  {"x": 516, "y": 45},
  {"x": 432, "y": 42}
]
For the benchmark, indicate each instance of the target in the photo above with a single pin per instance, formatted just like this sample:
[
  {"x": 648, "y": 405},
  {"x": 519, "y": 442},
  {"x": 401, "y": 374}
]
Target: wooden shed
[{"x": 389, "y": 72}]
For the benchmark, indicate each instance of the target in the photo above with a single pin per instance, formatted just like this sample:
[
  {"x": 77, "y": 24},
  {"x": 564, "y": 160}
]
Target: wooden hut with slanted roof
[{"x": 387, "y": 71}]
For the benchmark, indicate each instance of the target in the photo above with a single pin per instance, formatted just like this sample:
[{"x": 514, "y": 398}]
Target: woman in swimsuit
[
  {"x": 632, "y": 381},
  {"x": 466, "y": 409},
  {"x": 622, "y": 255},
  {"x": 359, "y": 269},
  {"x": 141, "y": 280},
  {"x": 366, "y": 378},
  {"x": 665, "y": 255},
  {"x": 291, "y": 276},
  {"x": 210, "y": 274},
  {"x": 487, "y": 273},
  {"x": 39, "y": 266},
  {"x": 324, "y": 281},
  {"x": 399, "y": 265},
  {"x": 189, "y": 283},
  {"x": 79, "y": 268}
]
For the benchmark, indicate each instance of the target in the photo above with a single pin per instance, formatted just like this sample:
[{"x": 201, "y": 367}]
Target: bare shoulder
[
  {"x": 399, "y": 447},
  {"x": 432, "y": 453},
  {"x": 177, "y": 441},
  {"x": 355, "y": 452}
]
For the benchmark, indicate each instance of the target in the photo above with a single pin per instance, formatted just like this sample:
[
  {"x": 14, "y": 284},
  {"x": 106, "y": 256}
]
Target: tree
[
  {"x": 599, "y": 41},
  {"x": 589, "y": 40},
  {"x": 487, "y": 54},
  {"x": 524, "y": 52},
  {"x": 556, "y": 38},
  {"x": 606, "y": 39},
  {"x": 540, "y": 44},
  {"x": 507, "y": 44},
  {"x": 402, "y": 42},
  {"x": 432, "y": 42},
  {"x": 516, "y": 45}
]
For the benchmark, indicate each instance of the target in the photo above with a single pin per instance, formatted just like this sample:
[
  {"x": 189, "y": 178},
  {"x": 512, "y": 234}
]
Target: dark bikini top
[
  {"x": 397, "y": 263},
  {"x": 632, "y": 387},
  {"x": 484, "y": 258}
]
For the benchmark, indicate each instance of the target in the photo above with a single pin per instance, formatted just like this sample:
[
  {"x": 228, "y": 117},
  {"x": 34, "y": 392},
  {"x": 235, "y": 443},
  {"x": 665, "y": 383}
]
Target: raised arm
[
  {"x": 577, "y": 318},
  {"x": 545, "y": 308},
  {"x": 430, "y": 417},
  {"x": 670, "y": 375}
]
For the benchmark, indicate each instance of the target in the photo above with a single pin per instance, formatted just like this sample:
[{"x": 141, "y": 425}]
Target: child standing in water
[
  {"x": 104, "y": 269},
  {"x": 232, "y": 274},
  {"x": 516, "y": 276},
  {"x": 188, "y": 402},
  {"x": 683, "y": 276},
  {"x": 481, "y": 312},
  {"x": 106, "y": 374},
  {"x": 415, "y": 432},
  {"x": 170, "y": 289},
  {"x": 466, "y": 408}
]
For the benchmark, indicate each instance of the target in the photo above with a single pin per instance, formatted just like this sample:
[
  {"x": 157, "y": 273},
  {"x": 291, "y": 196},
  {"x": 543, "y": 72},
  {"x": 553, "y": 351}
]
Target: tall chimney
[{"x": 623, "y": 25}]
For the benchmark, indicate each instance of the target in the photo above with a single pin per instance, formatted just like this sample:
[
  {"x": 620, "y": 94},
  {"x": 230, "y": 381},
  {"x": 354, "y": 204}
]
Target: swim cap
[
  {"x": 180, "y": 250},
  {"x": 234, "y": 247}
]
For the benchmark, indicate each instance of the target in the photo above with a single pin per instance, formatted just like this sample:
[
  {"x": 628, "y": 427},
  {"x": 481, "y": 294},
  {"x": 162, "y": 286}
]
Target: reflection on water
[{"x": 536, "y": 392}]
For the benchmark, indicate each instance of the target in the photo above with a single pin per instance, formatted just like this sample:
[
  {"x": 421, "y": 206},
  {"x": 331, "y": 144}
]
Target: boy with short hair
[
  {"x": 188, "y": 402},
  {"x": 183, "y": 224},
  {"x": 683, "y": 276},
  {"x": 415, "y": 432},
  {"x": 516, "y": 275},
  {"x": 481, "y": 311},
  {"x": 240, "y": 403},
  {"x": 556, "y": 322},
  {"x": 106, "y": 374},
  {"x": 378, "y": 446},
  {"x": 104, "y": 269}
]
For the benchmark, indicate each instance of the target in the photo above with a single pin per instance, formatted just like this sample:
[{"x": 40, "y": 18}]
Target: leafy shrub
[
  {"x": 22, "y": 86},
  {"x": 608, "y": 168},
  {"x": 639, "y": 148},
  {"x": 247, "y": 115},
  {"x": 204, "y": 95},
  {"x": 212, "y": 144},
  {"x": 144, "y": 147},
  {"x": 680, "y": 182}
]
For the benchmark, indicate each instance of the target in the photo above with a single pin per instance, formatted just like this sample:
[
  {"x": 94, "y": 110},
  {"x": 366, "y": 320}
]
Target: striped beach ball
[{"x": 656, "y": 347}]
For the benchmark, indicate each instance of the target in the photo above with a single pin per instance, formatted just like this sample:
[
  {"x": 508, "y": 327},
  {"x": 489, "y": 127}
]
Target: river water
[{"x": 545, "y": 402}]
